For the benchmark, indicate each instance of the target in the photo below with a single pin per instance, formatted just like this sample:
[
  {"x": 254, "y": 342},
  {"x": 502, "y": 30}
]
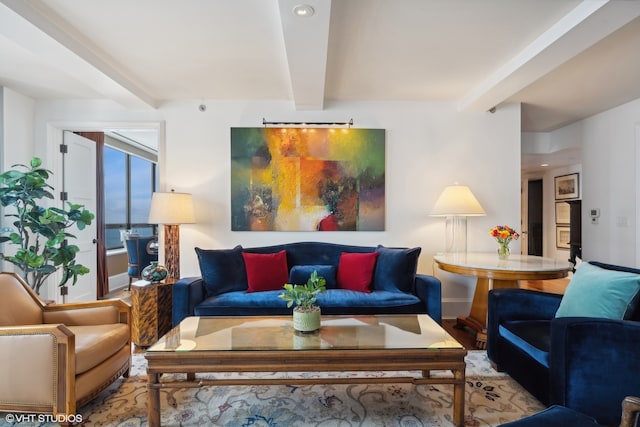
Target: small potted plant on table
[{"x": 306, "y": 315}]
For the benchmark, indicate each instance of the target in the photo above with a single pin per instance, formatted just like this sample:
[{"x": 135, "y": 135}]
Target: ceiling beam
[
  {"x": 585, "y": 25},
  {"x": 306, "y": 40},
  {"x": 69, "y": 51}
]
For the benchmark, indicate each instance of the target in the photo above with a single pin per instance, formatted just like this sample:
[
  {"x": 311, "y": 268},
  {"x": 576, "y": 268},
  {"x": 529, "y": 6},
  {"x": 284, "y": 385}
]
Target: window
[{"x": 129, "y": 182}]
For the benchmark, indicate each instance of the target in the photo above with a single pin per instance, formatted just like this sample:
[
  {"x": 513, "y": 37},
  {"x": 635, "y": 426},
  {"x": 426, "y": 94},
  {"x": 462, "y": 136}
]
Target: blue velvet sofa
[
  {"x": 224, "y": 289},
  {"x": 588, "y": 364}
]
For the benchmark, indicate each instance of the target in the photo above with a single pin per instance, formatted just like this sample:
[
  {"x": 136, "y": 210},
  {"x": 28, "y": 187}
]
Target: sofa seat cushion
[
  {"x": 330, "y": 298},
  {"x": 349, "y": 298},
  {"x": 530, "y": 336},
  {"x": 256, "y": 302},
  {"x": 96, "y": 343}
]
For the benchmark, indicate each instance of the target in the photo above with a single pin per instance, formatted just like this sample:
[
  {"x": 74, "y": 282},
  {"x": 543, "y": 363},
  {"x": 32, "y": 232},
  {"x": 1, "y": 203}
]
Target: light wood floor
[{"x": 467, "y": 337}]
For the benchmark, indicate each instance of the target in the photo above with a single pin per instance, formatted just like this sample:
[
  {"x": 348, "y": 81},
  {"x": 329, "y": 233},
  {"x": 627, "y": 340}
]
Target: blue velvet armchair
[
  {"x": 587, "y": 364},
  {"x": 559, "y": 416},
  {"x": 140, "y": 255}
]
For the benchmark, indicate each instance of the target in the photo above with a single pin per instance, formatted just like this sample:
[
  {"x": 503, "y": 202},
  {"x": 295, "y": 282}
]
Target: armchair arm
[
  {"x": 594, "y": 365},
  {"x": 88, "y": 313},
  {"x": 187, "y": 293},
  {"x": 429, "y": 290},
  {"x": 521, "y": 304},
  {"x": 630, "y": 411},
  {"x": 516, "y": 304},
  {"x": 46, "y": 363}
]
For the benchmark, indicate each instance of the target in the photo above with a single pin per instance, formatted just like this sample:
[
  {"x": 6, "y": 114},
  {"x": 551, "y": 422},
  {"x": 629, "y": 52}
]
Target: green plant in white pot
[{"x": 306, "y": 315}]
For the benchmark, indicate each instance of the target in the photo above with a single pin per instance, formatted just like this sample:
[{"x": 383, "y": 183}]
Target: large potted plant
[
  {"x": 306, "y": 315},
  {"x": 41, "y": 233}
]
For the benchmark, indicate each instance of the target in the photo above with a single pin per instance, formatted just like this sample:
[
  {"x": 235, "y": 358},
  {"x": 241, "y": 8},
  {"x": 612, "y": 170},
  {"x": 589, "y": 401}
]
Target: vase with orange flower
[{"x": 503, "y": 235}]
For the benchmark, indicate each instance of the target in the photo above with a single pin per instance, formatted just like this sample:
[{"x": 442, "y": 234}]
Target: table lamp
[
  {"x": 456, "y": 203},
  {"x": 171, "y": 209}
]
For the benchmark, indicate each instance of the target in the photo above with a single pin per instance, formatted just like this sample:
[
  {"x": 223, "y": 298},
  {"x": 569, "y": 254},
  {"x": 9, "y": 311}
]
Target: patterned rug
[{"x": 492, "y": 398}]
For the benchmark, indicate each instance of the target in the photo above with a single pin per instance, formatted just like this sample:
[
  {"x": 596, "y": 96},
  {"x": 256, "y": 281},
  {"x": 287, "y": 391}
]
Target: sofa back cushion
[
  {"x": 355, "y": 271},
  {"x": 222, "y": 270},
  {"x": 300, "y": 274},
  {"x": 597, "y": 291},
  {"x": 266, "y": 272},
  {"x": 396, "y": 269}
]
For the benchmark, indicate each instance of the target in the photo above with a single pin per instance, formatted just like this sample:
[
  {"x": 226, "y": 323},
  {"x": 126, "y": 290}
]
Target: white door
[{"x": 79, "y": 171}]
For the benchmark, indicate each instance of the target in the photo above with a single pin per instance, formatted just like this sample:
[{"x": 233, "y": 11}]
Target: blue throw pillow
[
  {"x": 396, "y": 269},
  {"x": 222, "y": 270},
  {"x": 300, "y": 274},
  {"x": 598, "y": 292}
]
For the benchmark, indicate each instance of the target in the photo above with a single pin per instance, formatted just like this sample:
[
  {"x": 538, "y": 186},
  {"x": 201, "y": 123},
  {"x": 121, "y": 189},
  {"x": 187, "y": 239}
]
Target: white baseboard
[{"x": 118, "y": 281}]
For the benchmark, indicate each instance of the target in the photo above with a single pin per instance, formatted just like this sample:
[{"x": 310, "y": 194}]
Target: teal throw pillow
[{"x": 598, "y": 292}]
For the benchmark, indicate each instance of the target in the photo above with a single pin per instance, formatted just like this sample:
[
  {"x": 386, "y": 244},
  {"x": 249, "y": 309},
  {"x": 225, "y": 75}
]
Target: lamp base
[
  {"x": 456, "y": 234},
  {"x": 172, "y": 250}
]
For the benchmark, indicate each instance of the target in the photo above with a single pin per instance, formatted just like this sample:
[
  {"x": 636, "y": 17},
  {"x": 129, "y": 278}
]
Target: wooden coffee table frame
[{"x": 362, "y": 360}]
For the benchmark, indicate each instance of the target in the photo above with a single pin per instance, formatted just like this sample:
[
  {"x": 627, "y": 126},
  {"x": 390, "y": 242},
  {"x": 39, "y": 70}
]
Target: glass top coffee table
[{"x": 269, "y": 344}]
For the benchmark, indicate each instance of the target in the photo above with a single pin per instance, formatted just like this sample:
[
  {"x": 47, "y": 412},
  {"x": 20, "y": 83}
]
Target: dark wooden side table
[{"x": 151, "y": 311}]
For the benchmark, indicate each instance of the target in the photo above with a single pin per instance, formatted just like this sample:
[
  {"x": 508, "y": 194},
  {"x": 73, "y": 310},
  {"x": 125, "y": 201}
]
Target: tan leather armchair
[{"x": 55, "y": 358}]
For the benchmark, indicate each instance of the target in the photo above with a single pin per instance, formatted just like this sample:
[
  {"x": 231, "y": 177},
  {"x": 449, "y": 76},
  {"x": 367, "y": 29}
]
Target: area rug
[{"x": 492, "y": 398}]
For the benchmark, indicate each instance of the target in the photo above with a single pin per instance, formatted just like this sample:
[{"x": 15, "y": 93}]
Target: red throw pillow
[
  {"x": 266, "y": 272},
  {"x": 355, "y": 271}
]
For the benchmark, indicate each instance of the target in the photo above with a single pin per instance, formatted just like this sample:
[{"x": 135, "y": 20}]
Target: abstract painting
[{"x": 307, "y": 179}]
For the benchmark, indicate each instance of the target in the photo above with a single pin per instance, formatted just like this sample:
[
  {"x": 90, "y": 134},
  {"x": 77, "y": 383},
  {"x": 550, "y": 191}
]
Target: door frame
[
  {"x": 524, "y": 209},
  {"x": 636, "y": 222},
  {"x": 53, "y": 162}
]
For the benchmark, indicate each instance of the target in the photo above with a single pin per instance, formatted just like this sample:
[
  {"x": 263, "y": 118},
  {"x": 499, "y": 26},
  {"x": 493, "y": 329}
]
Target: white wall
[
  {"x": 17, "y": 136},
  {"x": 16, "y": 143},
  {"x": 428, "y": 146},
  {"x": 544, "y": 143},
  {"x": 610, "y": 183}
]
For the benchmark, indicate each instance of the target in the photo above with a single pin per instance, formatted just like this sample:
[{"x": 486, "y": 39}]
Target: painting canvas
[{"x": 307, "y": 179}]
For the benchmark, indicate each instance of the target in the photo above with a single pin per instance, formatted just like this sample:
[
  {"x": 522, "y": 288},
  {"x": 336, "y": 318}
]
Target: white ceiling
[{"x": 564, "y": 60}]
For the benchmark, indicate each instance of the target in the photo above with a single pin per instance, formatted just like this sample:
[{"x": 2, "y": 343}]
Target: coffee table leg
[
  {"x": 458, "y": 398},
  {"x": 153, "y": 400}
]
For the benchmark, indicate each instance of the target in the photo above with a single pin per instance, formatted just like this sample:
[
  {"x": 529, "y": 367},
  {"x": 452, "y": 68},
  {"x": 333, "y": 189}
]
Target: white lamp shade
[
  {"x": 457, "y": 200},
  {"x": 171, "y": 208}
]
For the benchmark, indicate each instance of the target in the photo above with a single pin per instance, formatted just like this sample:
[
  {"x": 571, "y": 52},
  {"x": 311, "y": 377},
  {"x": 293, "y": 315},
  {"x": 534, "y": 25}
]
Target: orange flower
[{"x": 503, "y": 233}]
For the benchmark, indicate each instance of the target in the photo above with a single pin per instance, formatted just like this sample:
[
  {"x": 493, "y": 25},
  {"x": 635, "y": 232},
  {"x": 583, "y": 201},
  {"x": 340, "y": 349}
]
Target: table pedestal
[{"x": 477, "y": 318}]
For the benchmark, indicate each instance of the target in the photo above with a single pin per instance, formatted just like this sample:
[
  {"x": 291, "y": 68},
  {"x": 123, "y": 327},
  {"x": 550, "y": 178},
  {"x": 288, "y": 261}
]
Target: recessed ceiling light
[
  {"x": 544, "y": 165},
  {"x": 303, "y": 10}
]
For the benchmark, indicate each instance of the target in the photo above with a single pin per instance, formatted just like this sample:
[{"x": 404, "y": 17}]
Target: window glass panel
[
  {"x": 115, "y": 188},
  {"x": 141, "y": 189},
  {"x": 143, "y": 230},
  {"x": 127, "y": 195}
]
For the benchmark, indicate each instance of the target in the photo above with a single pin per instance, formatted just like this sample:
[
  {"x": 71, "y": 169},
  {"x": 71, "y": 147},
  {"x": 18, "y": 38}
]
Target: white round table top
[{"x": 490, "y": 261}]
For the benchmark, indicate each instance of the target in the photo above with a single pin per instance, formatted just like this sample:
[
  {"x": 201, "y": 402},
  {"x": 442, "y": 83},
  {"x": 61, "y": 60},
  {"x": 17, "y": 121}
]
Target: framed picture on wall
[
  {"x": 567, "y": 186},
  {"x": 307, "y": 179},
  {"x": 563, "y": 236},
  {"x": 563, "y": 213}
]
